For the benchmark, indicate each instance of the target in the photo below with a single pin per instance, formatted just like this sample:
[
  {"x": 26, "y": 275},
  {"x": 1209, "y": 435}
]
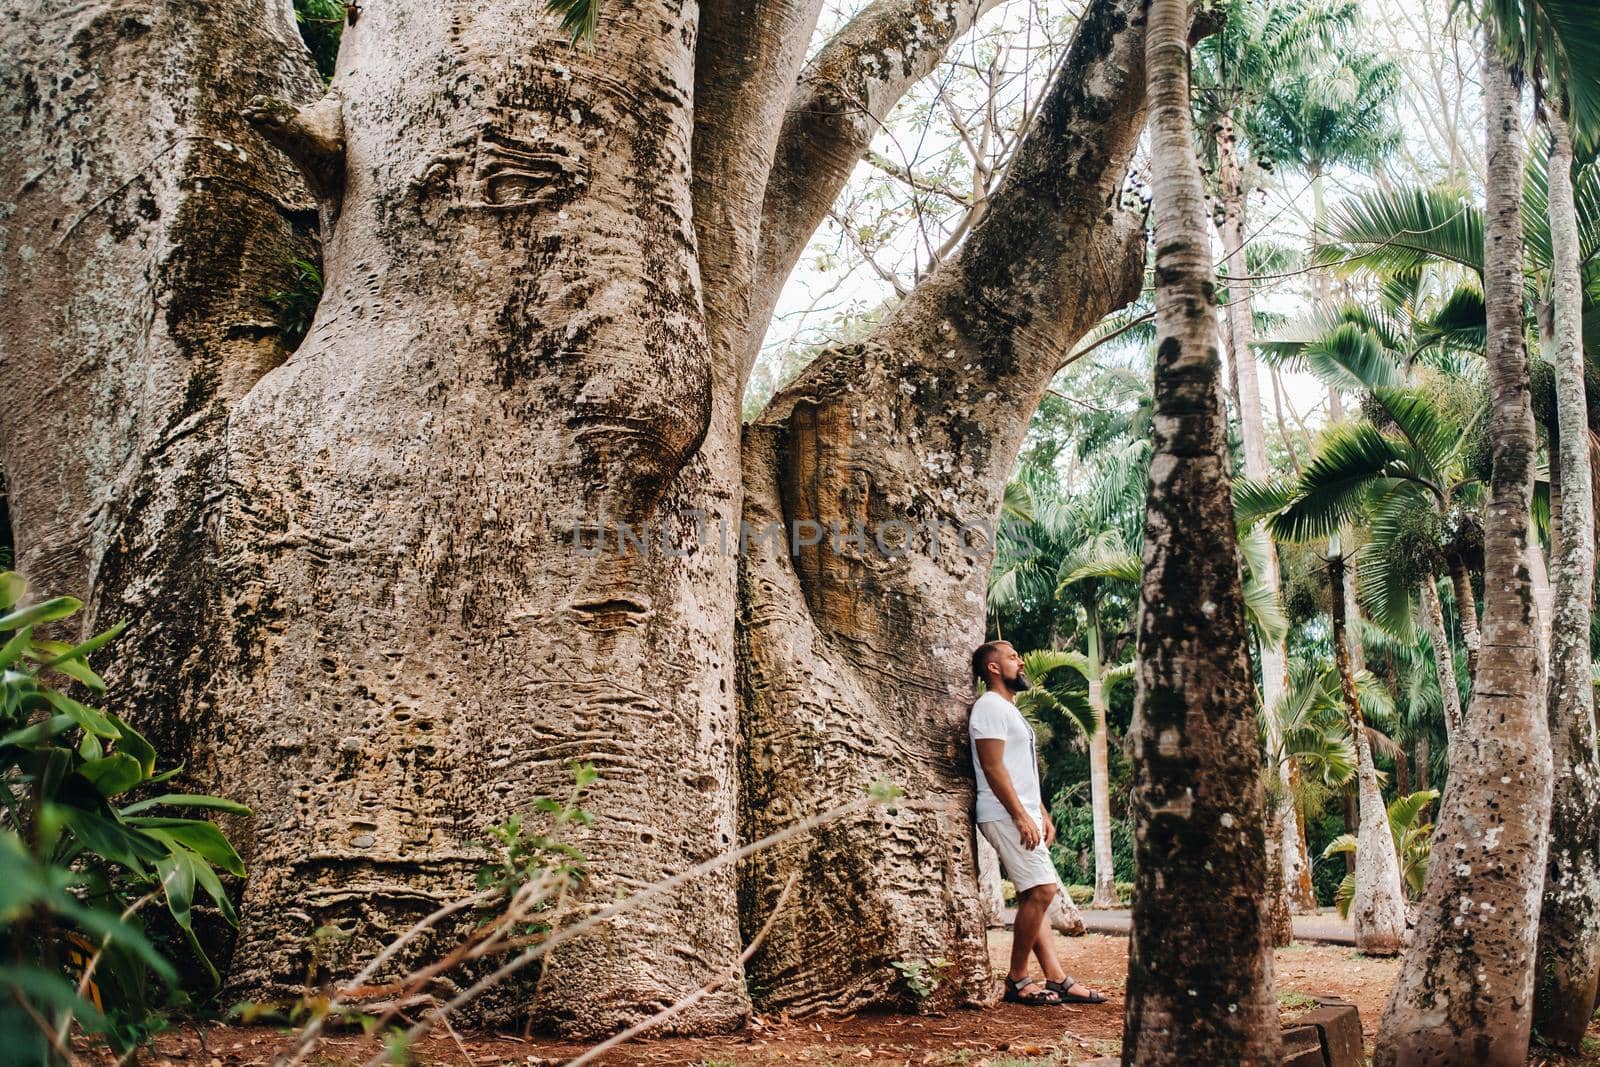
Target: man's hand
[
  {"x": 1049, "y": 830},
  {"x": 1028, "y": 831}
]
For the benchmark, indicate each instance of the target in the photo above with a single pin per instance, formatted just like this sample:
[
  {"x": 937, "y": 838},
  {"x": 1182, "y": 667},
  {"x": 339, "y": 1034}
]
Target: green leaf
[
  {"x": 187, "y": 800},
  {"x": 50, "y": 994},
  {"x": 31, "y": 735},
  {"x": 19, "y": 643},
  {"x": 134, "y": 744},
  {"x": 580, "y": 19},
  {"x": 48, "y": 611},
  {"x": 13, "y": 587},
  {"x": 95, "y": 722},
  {"x": 110, "y": 838},
  {"x": 113, "y": 774},
  {"x": 1354, "y": 459},
  {"x": 83, "y": 650},
  {"x": 196, "y": 834}
]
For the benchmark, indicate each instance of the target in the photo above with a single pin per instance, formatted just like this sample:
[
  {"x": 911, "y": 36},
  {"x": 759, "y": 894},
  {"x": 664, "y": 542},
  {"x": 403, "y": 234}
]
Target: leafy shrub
[
  {"x": 85, "y": 845},
  {"x": 295, "y": 305}
]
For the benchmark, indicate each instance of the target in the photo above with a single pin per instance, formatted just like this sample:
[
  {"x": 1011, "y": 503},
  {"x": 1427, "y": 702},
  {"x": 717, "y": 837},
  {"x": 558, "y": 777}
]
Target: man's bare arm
[{"x": 991, "y": 756}]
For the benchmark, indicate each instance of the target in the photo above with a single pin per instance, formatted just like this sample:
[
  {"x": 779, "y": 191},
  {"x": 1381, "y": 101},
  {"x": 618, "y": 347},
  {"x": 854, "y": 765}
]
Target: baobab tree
[{"x": 380, "y": 581}]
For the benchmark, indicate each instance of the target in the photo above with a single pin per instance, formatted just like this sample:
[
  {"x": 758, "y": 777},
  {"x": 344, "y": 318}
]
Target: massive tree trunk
[
  {"x": 1464, "y": 991},
  {"x": 386, "y": 587},
  {"x": 1199, "y": 979},
  {"x": 1379, "y": 909},
  {"x": 1295, "y": 875},
  {"x": 1443, "y": 658},
  {"x": 853, "y": 655},
  {"x": 1568, "y": 959},
  {"x": 144, "y": 229},
  {"x": 431, "y": 611}
]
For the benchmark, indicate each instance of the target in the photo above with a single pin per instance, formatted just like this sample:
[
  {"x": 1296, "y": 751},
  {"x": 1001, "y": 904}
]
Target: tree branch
[
  {"x": 313, "y": 139},
  {"x": 841, "y": 100}
]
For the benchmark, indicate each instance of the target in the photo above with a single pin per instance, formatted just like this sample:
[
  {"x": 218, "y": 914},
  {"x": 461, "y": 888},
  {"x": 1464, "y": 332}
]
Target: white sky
[{"x": 1013, "y": 49}]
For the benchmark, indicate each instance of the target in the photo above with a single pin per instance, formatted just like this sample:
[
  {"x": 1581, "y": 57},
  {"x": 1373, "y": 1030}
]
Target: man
[{"x": 1013, "y": 819}]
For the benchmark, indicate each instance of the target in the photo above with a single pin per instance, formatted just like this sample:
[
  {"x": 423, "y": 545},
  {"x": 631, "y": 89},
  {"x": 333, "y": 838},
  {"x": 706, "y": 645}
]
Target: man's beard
[{"x": 1019, "y": 684}]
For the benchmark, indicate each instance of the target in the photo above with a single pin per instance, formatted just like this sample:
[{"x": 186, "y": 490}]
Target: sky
[{"x": 955, "y": 130}]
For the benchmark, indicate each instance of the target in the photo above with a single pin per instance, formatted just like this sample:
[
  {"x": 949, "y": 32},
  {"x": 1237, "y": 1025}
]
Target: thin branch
[{"x": 649, "y": 892}]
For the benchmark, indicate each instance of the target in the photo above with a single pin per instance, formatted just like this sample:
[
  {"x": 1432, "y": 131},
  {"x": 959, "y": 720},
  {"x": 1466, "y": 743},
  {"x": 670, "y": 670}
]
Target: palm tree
[
  {"x": 1260, "y": 45},
  {"x": 1464, "y": 990},
  {"x": 1412, "y": 836},
  {"x": 1199, "y": 979}
]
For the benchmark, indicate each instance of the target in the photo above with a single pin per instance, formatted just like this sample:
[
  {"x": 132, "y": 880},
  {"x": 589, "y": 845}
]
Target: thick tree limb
[
  {"x": 313, "y": 139},
  {"x": 908, "y": 437},
  {"x": 841, "y": 100},
  {"x": 747, "y": 57}
]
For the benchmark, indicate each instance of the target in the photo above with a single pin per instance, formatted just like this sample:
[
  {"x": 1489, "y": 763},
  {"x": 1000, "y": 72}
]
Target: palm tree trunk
[
  {"x": 1105, "y": 878},
  {"x": 1464, "y": 992},
  {"x": 1443, "y": 658},
  {"x": 1568, "y": 958},
  {"x": 1252, "y": 428},
  {"x": 1423, "y": 761},
  {"x": 1380, "y": 903},
  {"x": 1466, "y": 611},
  {"x": 1199, "y": 979}
]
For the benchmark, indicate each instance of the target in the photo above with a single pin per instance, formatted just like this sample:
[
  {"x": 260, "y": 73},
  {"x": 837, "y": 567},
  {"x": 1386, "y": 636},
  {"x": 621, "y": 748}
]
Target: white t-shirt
[{"x": 996, "y": 718}]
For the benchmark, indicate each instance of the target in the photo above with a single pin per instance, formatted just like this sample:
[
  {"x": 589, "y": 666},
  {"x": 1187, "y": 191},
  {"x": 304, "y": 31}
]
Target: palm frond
[
  {"x": 1354, "y": 459},
  {"x": 1404, "y": 228},
  {"x": 580, "y": 19}
]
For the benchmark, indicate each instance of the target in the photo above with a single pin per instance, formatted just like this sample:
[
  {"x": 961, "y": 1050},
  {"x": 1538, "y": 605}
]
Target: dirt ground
[{"x": 1004, "y": 1036}]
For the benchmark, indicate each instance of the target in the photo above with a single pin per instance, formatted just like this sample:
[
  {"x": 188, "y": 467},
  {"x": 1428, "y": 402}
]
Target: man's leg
[
  {"x": 1025, "y": 932},
  {"x": 1044, "y": 946}
]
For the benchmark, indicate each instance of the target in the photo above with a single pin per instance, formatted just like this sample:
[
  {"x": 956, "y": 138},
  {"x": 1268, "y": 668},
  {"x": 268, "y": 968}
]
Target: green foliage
[
  {"x": 1073, "y": 851},
  {"x": 1413, "y": 845},
  {"x": 321, "y": 24},
  {"x": 529, "y": 846},
  {"x": 295, "y": 305},
  {"x": 579, "y": 18},
  {"x": 922, "y": 975},
  {"x": 87, "y": 843}
]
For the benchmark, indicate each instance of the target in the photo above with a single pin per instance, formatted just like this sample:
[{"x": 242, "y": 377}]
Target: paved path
[{"x": 1325, "y": 927}]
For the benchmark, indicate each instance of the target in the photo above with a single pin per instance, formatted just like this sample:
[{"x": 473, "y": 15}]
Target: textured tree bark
[
  {"x": 1467, "y": 612},
  {"x": 1105, "y": 875},
  {"x": 1294, "y": 878},
  {"x": 1464, "y": 991},
  {"x": 990, "y": 891},
  {"x": 1199, "y": 979},
  {"x": 1443, "y": 657},
  {"x": 908, "y": 437},
  {"x": 413, "y": 605},
  {"x": 1379, "y": 909},
  {"x": 430, "y": 613},
  {"x": 145, "y": 226},
  {"x": 1567, "y": 967}
]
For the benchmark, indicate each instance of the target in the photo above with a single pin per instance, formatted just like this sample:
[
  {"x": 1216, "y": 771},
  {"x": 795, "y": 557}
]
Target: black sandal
[
  {"x": 1064, "y": 996},
  {"x": 1039, "y": 999}
]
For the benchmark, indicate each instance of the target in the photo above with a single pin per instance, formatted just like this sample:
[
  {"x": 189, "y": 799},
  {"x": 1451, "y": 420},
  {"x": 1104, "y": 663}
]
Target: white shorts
[{"x": 1025, "y": 867}]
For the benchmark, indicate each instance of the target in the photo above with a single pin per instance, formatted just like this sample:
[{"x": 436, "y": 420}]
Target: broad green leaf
[
  {"x": 13, "y": 587},
  {"x": 96, "y": 722},
  {"x": 83, "y": 650},
  {"x": 196, "y": 834},
  {"x": 113, "y": 774},
  {"x": 48, "y": 611},
  {"x": 16, "y": 646},
  {"x": 187, "y": 800},
  {"x": 43, "y": 730},
  {"x": 134, "y": 744}
]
